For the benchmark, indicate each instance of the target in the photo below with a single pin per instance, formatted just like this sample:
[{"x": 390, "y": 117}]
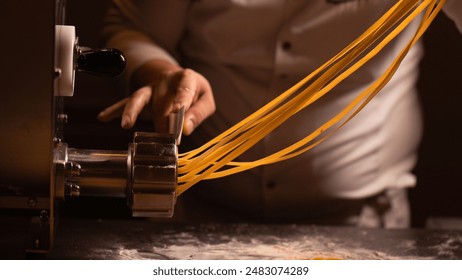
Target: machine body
[{"x": 37, "y": 168}]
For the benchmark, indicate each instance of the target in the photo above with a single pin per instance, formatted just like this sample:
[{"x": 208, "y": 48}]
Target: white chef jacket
[{"x": 253, "y": 50}]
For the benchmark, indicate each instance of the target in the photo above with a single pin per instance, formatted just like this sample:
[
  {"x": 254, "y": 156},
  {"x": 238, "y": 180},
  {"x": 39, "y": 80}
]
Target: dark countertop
[{"x": 145, "y": 239}]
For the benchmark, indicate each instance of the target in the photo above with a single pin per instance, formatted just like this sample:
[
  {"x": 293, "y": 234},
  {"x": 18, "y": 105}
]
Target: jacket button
[{"x": 286, "y": 45}]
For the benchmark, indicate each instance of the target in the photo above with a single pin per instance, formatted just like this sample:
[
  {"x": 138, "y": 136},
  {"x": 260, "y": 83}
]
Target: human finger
[
  {"x": 203, "y": 108},
  {"x": 188, "y": 89},
  {"x": 113, "y": 111},
  {"x": 138, "y": 100},
  {"x": 162, "y": 103}
]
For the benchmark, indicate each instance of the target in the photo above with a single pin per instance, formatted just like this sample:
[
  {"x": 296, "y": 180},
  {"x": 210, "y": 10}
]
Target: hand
[{"x": 169, "y": 91}]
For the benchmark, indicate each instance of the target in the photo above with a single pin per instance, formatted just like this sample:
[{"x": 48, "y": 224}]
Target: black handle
[{"x": 100, "y": 62}]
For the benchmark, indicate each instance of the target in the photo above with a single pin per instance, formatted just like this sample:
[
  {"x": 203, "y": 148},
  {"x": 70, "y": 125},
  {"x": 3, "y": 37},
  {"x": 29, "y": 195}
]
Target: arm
[
  {"x": 148, "y": 32},
  {"x": 453, "y": 9}
]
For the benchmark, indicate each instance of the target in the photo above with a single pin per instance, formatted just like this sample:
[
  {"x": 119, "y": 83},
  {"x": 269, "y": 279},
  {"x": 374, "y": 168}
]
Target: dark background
[{"x": 438, "y": 192}]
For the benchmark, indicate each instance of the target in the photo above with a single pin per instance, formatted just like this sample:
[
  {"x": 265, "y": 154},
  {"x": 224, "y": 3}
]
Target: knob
[{"x": 100, "y": 62}]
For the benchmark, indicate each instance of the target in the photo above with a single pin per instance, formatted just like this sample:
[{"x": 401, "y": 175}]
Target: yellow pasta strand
[{"x": 215, "y": 158}]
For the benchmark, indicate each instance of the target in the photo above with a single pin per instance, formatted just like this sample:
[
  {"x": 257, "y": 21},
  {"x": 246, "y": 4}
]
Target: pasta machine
[{"x": 38, "y": 169}]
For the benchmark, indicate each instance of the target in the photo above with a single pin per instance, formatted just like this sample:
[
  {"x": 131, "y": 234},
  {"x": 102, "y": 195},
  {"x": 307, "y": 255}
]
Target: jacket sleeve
[
  {"x": 453, "y": 9},
  {"x": 145, "y": 29}
]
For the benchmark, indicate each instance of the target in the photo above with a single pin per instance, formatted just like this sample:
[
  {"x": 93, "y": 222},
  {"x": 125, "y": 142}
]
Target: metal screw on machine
[
  {"x": 44, "y": 216},
  {"x": 72, "y": 168},
  {"x": 32, "y": 202},
  {"x": 72, "y": 190},
  {"x": 62, "y": 118}
]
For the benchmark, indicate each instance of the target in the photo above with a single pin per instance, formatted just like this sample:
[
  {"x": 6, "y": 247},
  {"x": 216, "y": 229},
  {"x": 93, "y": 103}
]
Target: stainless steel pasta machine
[{"x": 37, "y": 167}]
